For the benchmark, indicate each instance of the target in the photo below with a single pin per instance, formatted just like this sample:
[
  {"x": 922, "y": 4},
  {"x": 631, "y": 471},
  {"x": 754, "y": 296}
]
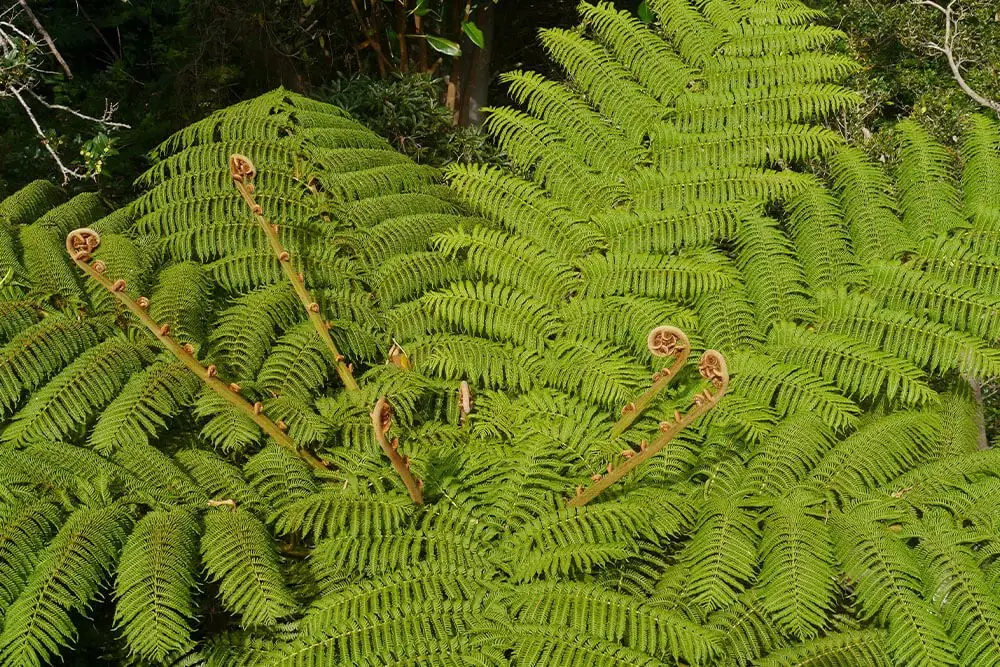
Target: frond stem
[
  {"x": 713, "y": 368},
  {"x": 381, "y": 422},
  {"x": 243, "y": 172},
  {"x": 663, "y": 341},
  {"x": 80, "y": 243}
]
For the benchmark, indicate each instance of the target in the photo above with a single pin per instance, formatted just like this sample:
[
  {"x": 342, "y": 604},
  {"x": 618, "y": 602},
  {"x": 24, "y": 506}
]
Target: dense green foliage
[{"x": 833, "y": 509}]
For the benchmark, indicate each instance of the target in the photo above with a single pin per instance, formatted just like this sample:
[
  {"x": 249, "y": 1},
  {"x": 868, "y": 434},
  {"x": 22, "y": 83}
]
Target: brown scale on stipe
[{"x": 663, "y": 341}]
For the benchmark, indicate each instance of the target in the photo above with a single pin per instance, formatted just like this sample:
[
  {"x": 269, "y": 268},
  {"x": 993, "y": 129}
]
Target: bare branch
[
  {"x": 105, "y": 119},
  {"x": 65, "y": 171},
  {"x": 45, "y": 35},
  {"x": 951, "y": 26}
]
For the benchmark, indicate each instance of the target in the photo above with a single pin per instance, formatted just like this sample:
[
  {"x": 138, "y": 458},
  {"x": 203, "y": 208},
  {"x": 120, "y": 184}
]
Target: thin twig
[
  {"x": 105, "y": 119},
  {"x": 45, "y": 35},
  {"x": 63, "y": 169}
]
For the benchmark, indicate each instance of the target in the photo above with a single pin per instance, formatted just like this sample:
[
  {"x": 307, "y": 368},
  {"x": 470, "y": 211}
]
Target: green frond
[
  {"x": 762, "y": 107},
  {"x": 181, "y": 299},
  {"x": 857, "y": 367},
  {"x": 218, "y": 479},
  {"x": 245, "y": 331},
  {"x": 936, "y": 347},
  {"x": 747, "y": 628},
  {"x": 968, "y": 603},
  {"x": 869, "y": 212},
  {"x": 727, "y": 321},
  {"x": 240, "y": 556},
  {"x": 674, "y": 277},
  {"x": 928, "y": 193},
  {"x": 522, "y": 207},
  {"x": 599, "y": 373},
  {"x": 696, "y": 38},
  {"x": 615, "y": 618},
  {"x": 853, "y": 648},
  {"x": 887, "y": 584},
  {"x": 668, "y": 190},
  {"x": 546, "y": 645},
  {"x": 906, "y": 439},
  {"x": 446, "y": 538},
  {"x": 434, "y": 634},
  {"x": 959, "y": 433},
  {"x": 72, "y": 397},
  {"x": 789, "y": 388},
  {"x": 626, "y": 320},
  {"x": 495, "y": 255},
  {"x": 142, "y": 409},
  {"x": 963, "y": 308},
  {"x": 415, "y": 586},
  {"x": 30, "y": 203},
  {"x": 576, "y": 539},
  {"x": 25, "y": 529},
  {"x": 596, "y": 141},
  {"x": 788, "y": 453},
  {"x": 48, "y": 266},
  {"x": 722, "y": 554},
  {"x": 648, "y": 57},
  {"x": 79, "y": 211},
  {"x": 403, "y": 234},
  {"x": 758, "y": 40},
  {"x": 608, "y": 84},
  {"x": 404, "y": 277},
  {"x": 154, "y": 589},
  {"x": 334, "y": 511},
  {"x": 981, "y": 155},
  {"x": 665, "y": 231},
  {"x": 279, "y": 477},
  {"x": 225, "y": 426},
  {"x": 774, "y": 280},
  {"x": 775, "y": 70},
  {"x": 820, "y": 237},
  {"x": 64, "y": 582},
  {"x": 797, "y": 564},
  {"x": 38, "y": 351},
  {"x": 534, "y": 147},
  {"x": 483, "y": 362},
  {"x": 754, "y": 145},
  {"x": 297, "y": 364},
  {"x": 495, "y": 311}
]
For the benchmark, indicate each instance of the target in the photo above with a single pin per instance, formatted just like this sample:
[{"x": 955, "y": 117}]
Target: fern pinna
[{"x": 832, "y": 509}]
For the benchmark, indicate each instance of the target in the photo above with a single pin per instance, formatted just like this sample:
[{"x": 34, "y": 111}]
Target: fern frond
[
  {"x": 858, "y": 648},
  {"x": 797, "y": 564},
  {"x": 790, "y": 388},
  {"x": 65, "y": 581},
  {"x": 239, "y": 554},
  {"x": 155, "y": 607},
  {"x": 141, "y": 410},
  {"x": 853, "y": 365},
  {"x": 73, "y": 396}
]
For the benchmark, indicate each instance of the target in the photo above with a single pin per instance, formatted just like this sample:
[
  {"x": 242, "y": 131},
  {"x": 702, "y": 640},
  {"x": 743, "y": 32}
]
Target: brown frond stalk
[
  {"x": 243, "y": 173},
  {"x": 713, "y": 368},
  {"x": 381, "y": 423},
  {"x": 665, "y": 341},
  {"x": 80, "y": 243}
]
